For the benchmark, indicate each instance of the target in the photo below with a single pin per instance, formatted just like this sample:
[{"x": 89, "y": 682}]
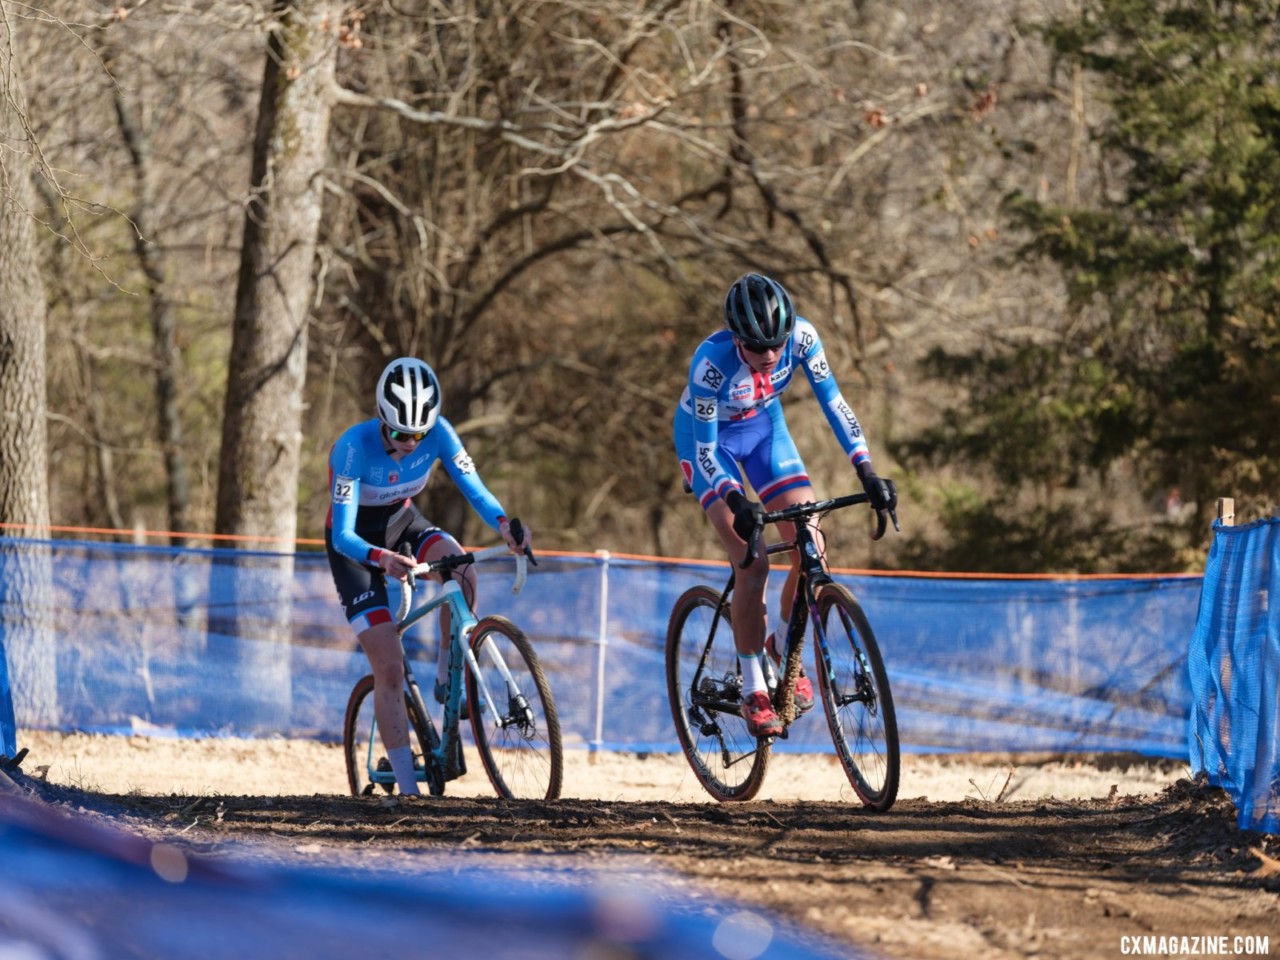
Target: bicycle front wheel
[
  {"x": 704, "y": 686},
  {"x": 368, "y": 768},
  {"x": 856, "y": 698},
  {"x": 513, "y": 716}
]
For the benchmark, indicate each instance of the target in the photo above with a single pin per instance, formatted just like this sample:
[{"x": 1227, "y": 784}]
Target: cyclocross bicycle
[
  {"x": 513, "y": 716},
  {"x": 704, "y": 680}
]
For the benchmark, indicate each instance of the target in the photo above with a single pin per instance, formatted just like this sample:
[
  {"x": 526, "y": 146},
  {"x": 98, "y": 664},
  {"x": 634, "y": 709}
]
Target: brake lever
[
  {"x": 750, "y": 558},
  {"x": 517, "y": 534}
]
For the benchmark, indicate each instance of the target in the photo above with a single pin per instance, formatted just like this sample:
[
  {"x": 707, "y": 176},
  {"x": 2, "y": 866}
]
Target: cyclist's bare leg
[
  {"x": 382, "y": 646},
  {"x": 785, "y": 532},
  {"x": 446, "y": 546},
  {"x": 747, "y": 609}
]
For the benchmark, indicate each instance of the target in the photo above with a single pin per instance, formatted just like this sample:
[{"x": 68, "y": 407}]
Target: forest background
[{"x": 1040, "y": 240}]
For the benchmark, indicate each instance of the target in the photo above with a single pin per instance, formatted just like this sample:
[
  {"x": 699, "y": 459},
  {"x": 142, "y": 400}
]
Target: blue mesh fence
[
  {"x": 8, "y": 732},
  {"x": 207, "y": 642},
  {"x": 1235, "y": 671}
]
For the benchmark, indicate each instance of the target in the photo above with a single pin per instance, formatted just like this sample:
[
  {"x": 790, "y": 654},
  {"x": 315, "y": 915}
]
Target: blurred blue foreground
[{"x": 73, "y": 890}]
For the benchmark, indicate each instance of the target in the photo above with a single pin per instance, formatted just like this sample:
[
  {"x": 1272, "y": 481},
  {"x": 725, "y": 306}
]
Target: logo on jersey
[
  {"x": 790, "y": 462},
  {"x": 710, "y": 376},
  {"x": 845, "y": 413},
  {"x": 351, "y": 459},
  {"x": 375, "y": 475},
  {"x": 463, "y": 462},
  {"x": 704, "y": 408},
  {"x": 393, "y": 478},
  {"x": 706, "y": 462},
  {"x": 805, "y": 340},
  {"x": 343, "y": 487},
  {"x": 818, "y": 366}
]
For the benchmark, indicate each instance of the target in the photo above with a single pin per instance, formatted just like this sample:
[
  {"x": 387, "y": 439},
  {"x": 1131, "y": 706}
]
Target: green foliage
[
  {"x": 1167, "y": 361},
  {"x": 1000, "y": 535}
]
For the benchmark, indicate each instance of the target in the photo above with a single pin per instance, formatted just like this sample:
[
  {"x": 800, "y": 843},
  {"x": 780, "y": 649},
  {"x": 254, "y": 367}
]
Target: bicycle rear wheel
[
  {"x": 856, "y": 698},
  {"x": 704, "y": 685},
  {"x": 513, "y": 716},
  {"x": 368, "y": 768}
]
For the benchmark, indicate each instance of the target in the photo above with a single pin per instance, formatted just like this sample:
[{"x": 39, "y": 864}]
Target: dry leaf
[{"x": 1270, "y": 865}]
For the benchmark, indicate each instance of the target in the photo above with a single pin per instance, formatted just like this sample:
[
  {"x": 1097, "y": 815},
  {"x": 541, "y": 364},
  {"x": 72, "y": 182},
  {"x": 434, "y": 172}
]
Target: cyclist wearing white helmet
[
  {"x": 729, "y": 422},
  {"x": 375, "y": 469}
]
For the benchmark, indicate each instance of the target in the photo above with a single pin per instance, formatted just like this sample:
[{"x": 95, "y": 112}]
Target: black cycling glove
[
  {"x": 881, "y": 494},
  {"x": 748, "y": 516}
]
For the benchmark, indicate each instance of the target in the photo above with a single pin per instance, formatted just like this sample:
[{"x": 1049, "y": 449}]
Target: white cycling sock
[
  {"x": 401, "y": 759},
  {"x": 752, "y": 674},
  {"x": 779, "y": 635}
]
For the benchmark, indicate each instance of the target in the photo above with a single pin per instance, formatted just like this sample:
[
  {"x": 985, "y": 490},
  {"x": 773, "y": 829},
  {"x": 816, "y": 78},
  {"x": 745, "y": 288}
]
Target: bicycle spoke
[
  {"x": 513, "y": 715},
  {"x": 368, "y": 769},
  {"x": 856, "y": 697},
  {"x": 704, "y": 687}
]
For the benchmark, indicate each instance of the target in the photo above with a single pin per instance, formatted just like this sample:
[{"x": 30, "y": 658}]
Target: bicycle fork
[
  {"x": 864, "y": 690},
  {"x": 517, "y": 712}
]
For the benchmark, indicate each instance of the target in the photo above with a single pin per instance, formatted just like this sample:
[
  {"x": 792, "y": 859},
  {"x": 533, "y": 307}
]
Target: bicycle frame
[
  {"x": 704, "y": 671},
  {"x": 445, "y": 746},
  {"x": 812, "y": 575}
]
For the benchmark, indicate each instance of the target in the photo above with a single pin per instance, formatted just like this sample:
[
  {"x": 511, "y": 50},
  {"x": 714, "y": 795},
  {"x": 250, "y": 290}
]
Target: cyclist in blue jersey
[
  {"x": 375, "y": 469},
  {"x": 729, "y": 422}
]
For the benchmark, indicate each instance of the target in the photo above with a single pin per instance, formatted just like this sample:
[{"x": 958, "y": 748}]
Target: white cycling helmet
[{"x": 408, "y": 396}]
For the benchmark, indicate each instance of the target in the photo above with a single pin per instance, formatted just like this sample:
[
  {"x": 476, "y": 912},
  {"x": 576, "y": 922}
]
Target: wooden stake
[{"x": 1227, "y": 511}]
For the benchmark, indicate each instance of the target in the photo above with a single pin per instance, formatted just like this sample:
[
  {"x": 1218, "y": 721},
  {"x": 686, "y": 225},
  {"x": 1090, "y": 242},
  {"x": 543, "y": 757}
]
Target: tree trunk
[
  {"x": 26, "y": 585},
  {"x": 262, "y": 423},
  {"x": 163, "y": 323}
]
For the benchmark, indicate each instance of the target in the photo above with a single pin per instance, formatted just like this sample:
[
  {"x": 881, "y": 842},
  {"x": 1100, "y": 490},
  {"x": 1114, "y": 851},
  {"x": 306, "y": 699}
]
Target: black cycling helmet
[
  {"x": 759, "y": 312},
  {"x": 408, "y": 396}
]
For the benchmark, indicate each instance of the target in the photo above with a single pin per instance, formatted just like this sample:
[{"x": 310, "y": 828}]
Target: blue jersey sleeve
[
  {"x": 844, "y": 423},
  {"x": 344, "y": 499},
  {"x": 458, "y": 464},
  {"x": 705, "y": 380}
]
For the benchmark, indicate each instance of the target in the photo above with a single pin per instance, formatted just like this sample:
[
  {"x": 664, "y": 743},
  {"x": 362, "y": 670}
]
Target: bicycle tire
[
  {"x": 357, "y": 730},
  {"x": 727, "y": 760},
  {"x": 517, "y": 737},
  {"x": 856, "y": 698}
]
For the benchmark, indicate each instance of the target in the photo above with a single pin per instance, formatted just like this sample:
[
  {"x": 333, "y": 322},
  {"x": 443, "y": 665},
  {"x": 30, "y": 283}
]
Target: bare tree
[
  {"x": 262, "y": 419},
  {"x": 26, "y": 588},
  {"x": 144, "y": 109},
  {"x": 168, "y": 361}
]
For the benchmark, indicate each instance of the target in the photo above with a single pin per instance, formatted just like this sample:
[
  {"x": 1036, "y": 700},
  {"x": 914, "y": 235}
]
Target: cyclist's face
[
  {"x": 402, "y": 443},
  {"x": 761, "y": 361}
]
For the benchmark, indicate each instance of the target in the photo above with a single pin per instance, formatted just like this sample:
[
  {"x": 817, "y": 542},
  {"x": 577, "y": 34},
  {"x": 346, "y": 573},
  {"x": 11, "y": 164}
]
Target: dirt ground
[{"x": 982, "y": 856}]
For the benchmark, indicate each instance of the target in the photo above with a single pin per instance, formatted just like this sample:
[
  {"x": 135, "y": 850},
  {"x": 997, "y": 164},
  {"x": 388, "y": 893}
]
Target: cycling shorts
[
  {"x": 761, "y": 444},
  {"x": 362, "y": 587}
]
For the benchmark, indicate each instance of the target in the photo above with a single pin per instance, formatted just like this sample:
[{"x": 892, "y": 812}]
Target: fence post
[
  {"x": 1227, "y": 511},
  {"x": 602, "y": 643}
]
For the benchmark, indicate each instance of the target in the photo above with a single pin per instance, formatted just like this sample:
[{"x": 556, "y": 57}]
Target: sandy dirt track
[{"x": 981, "y": 857}]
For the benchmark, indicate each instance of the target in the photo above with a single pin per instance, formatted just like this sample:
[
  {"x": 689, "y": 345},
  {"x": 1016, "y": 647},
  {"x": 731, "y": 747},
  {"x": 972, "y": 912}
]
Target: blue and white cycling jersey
[
  {"x": 371, "y": 493},
  {"x": 719, "y": 422}
]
